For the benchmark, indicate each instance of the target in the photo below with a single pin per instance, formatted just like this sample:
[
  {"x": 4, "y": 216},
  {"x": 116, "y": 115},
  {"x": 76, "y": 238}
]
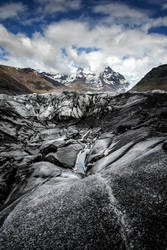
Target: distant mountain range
[
  {"x": 15, "y": 81},
  {"x": 155, "y": 79},
  {"x": 108, "y": 80},
  {"x": 23, "y": 81}
]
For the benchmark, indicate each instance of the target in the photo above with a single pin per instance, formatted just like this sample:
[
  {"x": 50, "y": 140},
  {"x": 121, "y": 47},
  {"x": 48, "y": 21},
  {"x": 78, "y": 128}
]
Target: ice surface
[{"x": 117, "y": 197}]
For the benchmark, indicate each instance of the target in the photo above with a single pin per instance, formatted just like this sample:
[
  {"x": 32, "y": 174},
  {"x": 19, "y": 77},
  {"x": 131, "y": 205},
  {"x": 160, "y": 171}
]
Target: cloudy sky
[{"x": 61, "y": 35}]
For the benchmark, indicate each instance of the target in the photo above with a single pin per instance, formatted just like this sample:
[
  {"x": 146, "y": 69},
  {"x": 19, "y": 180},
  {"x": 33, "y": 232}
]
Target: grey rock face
[
  {"x": 65, "y": 156},
  {"x": 83, "y": 171}
]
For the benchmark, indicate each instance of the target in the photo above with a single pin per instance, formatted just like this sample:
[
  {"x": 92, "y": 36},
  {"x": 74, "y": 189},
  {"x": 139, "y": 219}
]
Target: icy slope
[{"x": 83, "y": 171}]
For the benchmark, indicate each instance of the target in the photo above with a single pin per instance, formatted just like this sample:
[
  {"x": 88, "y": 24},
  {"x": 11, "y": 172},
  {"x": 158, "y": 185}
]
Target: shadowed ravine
[{"x": 83, "y": 171}]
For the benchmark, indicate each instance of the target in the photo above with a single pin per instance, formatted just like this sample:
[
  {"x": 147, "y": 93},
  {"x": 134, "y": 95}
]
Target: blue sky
[{"x": 61, "y": 35}]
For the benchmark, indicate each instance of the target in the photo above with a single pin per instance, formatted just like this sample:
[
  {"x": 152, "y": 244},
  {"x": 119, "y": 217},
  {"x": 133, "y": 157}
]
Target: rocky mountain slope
[
  {"x": 24, "y": 81},
  {"x": 155, "y": 79},
  {"x": 108, "y": 80},
  {"x": 83, "y": 171}
]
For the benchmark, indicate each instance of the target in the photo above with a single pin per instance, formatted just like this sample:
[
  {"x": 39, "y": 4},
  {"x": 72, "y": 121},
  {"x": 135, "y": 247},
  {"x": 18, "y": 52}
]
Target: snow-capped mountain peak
[
  {"x": 80, "y": 74},
  {"x": 108, "y": 80}
]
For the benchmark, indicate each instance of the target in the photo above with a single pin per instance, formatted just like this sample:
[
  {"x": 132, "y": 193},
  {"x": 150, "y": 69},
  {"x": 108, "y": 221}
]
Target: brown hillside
[
  {"x": 155, "y": 79},
  {"x": 80, "y": 86},
  {"x": 23, "y": 81}
]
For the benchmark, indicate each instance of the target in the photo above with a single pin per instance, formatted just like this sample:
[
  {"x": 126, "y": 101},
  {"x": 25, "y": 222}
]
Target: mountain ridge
[
  {"x": 107, "y": 80},
  {"x": 26, "y": 80},
  {"x": 156, "y": 78}
]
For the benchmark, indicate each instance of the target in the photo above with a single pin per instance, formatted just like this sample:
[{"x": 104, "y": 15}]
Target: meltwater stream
[
  {"x": 80, "y": 167},
  {"x": 80, "y": 162}
]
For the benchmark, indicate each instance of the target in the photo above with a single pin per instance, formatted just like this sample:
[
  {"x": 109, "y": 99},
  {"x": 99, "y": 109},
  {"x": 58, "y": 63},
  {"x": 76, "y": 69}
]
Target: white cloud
[
  {"x": 11, "y": 10},
  {"x": 119, "y": 10},
  {"x": 54, "y": 6},
  {"x": 119, "y": 13},
  {"x": 31, "y": 21},
  {"x": 130, "y": 51},
  {"x": 152, "y": 23},
  {"x": 161, "y": 21},
  {"x": 164, "y": 6}
]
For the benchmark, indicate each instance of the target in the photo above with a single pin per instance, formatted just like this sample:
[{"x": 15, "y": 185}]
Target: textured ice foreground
[{"x": 83, "y": 171}]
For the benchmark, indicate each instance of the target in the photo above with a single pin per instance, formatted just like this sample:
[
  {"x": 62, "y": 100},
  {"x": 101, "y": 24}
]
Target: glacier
[{"x": 83, "y": 171}]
